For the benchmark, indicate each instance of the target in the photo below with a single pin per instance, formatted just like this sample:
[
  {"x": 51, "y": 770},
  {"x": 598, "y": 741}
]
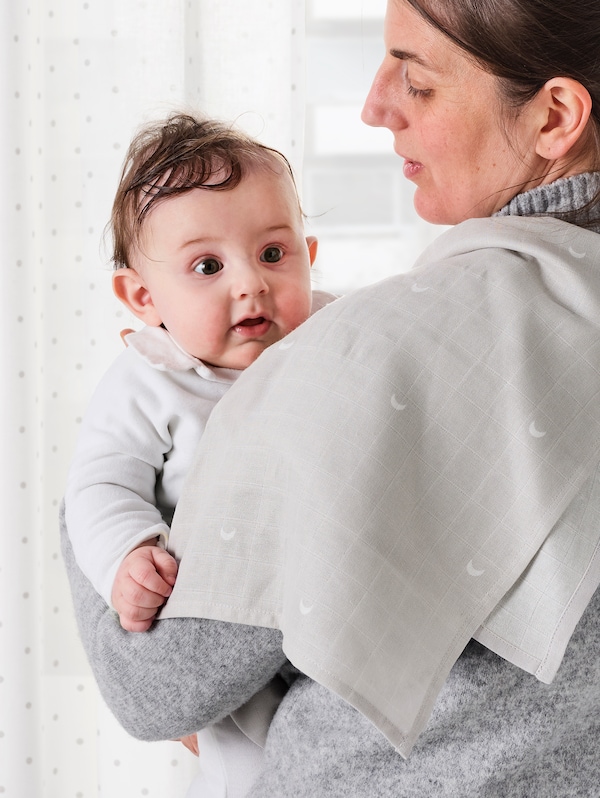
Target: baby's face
[{"x": 227, "y": 272}]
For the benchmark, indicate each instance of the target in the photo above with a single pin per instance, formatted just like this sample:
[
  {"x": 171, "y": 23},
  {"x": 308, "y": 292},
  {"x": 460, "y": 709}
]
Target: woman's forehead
[{"x": 411, "y": 38}]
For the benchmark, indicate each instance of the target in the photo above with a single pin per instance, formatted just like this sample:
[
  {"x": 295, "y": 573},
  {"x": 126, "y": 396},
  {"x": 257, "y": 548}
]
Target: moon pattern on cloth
[
  {"x": 472, "y": 571},
  {"x": 535, "y": 432},
  {"x": 228, "y": 535},
  {"x": 286, "y": 344},
  {"x": 305, "y": 609},
  {"x": 577, "y": 254},
  {"x": 396, "y": 404},
  {"x": 417, "y": 289}
]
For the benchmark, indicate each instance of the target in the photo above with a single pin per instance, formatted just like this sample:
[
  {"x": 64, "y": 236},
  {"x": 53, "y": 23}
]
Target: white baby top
[{"x": 136, "y": 443}]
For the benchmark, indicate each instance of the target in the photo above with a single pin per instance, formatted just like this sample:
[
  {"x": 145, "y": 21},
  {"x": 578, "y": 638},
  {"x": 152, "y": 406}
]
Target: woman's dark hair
[
  {"x": 525, "y": 43},
  {"x": 172, "y": 157}
]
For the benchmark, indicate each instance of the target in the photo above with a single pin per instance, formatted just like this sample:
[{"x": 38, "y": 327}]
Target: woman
[{"x": 463, "y": 426}]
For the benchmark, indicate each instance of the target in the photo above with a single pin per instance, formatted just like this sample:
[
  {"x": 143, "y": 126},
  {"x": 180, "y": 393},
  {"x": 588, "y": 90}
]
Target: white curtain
[{"x": 77, "y": 78}]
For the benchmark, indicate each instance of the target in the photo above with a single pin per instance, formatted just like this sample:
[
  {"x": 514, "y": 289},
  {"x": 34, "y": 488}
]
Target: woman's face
[{"x": 447, "y": 119}]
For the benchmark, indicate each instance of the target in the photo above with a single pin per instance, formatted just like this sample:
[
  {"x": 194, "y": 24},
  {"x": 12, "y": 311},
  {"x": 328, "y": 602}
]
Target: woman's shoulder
[{"x": 518, "y": 235}]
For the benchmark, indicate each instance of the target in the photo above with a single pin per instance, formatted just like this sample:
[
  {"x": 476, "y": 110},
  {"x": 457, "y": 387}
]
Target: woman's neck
[{"x": 567, "y": 196}]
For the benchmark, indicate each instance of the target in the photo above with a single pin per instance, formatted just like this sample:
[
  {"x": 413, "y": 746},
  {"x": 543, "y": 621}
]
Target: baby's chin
[{"x": 241, "y": 357}]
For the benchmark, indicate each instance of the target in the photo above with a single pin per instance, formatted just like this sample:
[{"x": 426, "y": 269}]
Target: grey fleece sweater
[{"x": 495, "y": 731}]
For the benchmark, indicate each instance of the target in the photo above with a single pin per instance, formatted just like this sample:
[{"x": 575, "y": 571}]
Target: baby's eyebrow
[
  {"x": 208, "y": 240},
  {"x": 201, "y": 240},
  {"x": 274, "y": 228}
]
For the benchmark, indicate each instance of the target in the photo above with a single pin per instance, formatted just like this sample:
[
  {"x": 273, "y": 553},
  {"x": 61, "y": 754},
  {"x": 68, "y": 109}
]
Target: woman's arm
[{"x": 180, "y": 675}]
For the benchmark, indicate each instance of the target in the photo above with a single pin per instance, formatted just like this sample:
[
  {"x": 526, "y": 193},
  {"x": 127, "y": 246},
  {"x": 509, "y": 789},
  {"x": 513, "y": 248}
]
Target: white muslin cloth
[{"x": 413, "y": 466}]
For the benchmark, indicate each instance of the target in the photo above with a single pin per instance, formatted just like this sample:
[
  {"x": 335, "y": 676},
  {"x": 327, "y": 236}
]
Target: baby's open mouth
[
  {"x": 253, "y": 328},
  {"x": 251, "y": 322}
]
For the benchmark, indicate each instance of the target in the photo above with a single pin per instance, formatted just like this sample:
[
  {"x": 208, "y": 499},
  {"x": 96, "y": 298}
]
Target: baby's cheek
[{"x": 296, "y": 311}]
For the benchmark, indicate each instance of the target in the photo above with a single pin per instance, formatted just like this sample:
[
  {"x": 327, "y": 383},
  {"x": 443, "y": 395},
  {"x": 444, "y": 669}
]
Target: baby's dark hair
[{"x": 176, "y": 155}]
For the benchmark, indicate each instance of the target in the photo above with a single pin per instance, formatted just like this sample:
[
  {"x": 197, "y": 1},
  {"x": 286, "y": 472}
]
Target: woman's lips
[
  {"x": 412, "y": 168},
  {"x": 252, "y": 328}
]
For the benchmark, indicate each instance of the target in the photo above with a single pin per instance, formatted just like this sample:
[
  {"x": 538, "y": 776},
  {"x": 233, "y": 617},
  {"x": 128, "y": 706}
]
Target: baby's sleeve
[{"x": 111, "y": 484}]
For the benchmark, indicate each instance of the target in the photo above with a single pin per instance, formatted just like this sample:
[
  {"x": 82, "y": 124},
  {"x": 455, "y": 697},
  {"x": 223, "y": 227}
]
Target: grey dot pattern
[{"x": 83, "y": 76}]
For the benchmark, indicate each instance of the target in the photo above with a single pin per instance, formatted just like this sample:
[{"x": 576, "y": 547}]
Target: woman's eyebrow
[{"x": 405, "y": 55}]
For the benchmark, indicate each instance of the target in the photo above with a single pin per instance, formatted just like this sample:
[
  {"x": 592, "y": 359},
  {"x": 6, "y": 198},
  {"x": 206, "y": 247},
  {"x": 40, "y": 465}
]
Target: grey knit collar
[{"x": 564, "y": 195}]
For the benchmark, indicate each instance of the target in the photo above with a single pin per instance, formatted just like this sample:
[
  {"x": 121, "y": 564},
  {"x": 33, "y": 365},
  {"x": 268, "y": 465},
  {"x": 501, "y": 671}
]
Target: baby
[{"x": 210, "y": 254}]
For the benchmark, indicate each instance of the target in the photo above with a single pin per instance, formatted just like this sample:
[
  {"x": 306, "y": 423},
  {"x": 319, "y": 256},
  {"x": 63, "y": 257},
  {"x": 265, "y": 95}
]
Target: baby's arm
[
  {"x": 144, "y": 580},
  {"x": 111, "y": 497}
]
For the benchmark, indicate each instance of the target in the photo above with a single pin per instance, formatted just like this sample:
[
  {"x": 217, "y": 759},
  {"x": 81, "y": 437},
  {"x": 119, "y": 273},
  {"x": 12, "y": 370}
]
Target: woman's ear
[
  {"x": 129, "y": 287},
  {"x": 566, "y": 106},
  {"x": 313, "y": 245}
]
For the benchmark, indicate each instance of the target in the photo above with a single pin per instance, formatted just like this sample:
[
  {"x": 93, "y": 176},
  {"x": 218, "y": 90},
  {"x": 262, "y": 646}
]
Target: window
[{"x": 358, "y": 202}]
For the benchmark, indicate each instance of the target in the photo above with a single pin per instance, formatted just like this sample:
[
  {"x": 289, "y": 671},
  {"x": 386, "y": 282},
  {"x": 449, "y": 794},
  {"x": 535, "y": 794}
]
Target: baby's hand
[{"x": 144, "y": 580}]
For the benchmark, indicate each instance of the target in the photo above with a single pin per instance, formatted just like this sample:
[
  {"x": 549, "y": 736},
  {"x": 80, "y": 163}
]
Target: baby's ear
[{"x": 129, "y": 287}]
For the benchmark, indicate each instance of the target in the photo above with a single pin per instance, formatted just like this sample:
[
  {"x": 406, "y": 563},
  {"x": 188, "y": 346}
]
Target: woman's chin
[
  {"x": 442, "y": 210},
  {"x": 432, "y": 212}
]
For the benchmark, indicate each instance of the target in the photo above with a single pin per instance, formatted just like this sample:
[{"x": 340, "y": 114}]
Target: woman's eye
[
  {"x": 414, "y": 92},
  {"x": 208, "y": 266},
  {"x": 271, "y": 255}
]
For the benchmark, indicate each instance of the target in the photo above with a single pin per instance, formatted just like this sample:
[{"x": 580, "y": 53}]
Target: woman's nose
[
  {"x": 381, "y": 107},
  {"x": 371, "y": 112}
]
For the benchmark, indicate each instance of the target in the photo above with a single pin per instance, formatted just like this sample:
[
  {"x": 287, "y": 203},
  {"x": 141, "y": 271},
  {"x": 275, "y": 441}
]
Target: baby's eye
[
  {"x": 208, "y": 266},
  {"x": 271, "y": 255}
]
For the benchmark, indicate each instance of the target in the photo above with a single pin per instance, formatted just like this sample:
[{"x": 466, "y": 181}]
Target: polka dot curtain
[{"x": 77, "y": 78}]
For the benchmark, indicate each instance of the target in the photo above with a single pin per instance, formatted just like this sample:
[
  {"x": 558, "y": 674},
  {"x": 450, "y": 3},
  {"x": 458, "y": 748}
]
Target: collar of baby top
[{"x": 157, "y": 347}]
